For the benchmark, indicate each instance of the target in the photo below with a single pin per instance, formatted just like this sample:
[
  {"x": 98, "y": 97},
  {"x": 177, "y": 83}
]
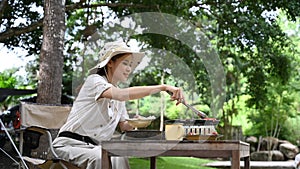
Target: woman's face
[{"x": 121, "y": 68}]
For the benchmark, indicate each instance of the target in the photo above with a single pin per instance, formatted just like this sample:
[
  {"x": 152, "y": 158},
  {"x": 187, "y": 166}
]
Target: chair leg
[
  {"x": 52, "y": 166},
  {"x": 63, "y": 165},
  {"x": 13, "y": 144},
  {"x": 60, "y": 163}
]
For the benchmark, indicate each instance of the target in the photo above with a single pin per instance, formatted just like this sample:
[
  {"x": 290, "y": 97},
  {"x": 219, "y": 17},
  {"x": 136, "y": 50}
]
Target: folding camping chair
[{"x": 39, "y": 125}]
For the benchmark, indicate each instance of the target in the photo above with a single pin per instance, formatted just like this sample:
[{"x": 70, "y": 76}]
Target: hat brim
[{"x": 137, "y": 57}]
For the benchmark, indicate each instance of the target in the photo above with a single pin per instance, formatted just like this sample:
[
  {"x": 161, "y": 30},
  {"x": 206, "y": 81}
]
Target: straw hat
[{"x": 112, "y": 49}]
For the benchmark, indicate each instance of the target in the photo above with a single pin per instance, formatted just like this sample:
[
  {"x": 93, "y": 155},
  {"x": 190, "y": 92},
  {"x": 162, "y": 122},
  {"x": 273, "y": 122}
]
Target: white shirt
[
  {"x": 93, "y": 117},
  {"x": 297, "y": 161}
]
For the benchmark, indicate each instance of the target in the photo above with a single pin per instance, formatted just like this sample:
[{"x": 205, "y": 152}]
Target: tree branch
[
  {"x": 18, "y": 31},
  {"x": 113, "y": 5},
  {"x": 3, "y": 4}
]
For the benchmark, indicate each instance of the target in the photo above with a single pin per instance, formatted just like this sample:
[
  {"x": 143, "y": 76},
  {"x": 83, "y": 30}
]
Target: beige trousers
[{"x": 85, "y": 156}]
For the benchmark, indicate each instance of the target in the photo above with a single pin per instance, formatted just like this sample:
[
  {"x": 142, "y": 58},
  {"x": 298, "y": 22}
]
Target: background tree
[
  {"x": 7, "y": 80},
  {"x": 51, "y": 57}
]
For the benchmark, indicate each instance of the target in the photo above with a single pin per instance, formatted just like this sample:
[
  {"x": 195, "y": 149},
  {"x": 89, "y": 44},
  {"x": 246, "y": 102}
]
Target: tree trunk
[{"x": 51, "y": 58}]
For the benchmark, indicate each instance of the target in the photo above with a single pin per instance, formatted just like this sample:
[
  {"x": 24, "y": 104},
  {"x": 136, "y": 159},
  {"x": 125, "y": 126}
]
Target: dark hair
[{"x": 101, "y": 71}]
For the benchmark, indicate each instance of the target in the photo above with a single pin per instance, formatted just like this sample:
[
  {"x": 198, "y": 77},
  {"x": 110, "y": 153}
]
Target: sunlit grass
[{"x": 170, "y": 163}]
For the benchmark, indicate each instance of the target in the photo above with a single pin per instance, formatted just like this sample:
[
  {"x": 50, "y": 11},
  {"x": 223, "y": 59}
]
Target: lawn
[{"x": 170, "y": 163}]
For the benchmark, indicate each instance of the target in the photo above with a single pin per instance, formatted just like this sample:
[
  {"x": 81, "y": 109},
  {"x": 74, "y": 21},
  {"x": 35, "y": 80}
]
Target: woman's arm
[{"x": 138, "y": 92}]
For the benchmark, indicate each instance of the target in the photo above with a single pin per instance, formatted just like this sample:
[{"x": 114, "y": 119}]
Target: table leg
[
  {"x": 247, "y": 162},
  {"x": 106, "y": 164},
  {"x": 235, "y": 160},
  {"x": 152, "y": 162}
]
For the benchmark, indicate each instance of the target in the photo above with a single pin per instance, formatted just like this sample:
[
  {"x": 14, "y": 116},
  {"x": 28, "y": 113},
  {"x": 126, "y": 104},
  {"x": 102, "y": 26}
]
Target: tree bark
[{"x": 51, "y": 58}]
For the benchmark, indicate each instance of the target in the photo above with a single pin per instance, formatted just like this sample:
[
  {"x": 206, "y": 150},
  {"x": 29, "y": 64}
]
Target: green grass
[{"x": 170, "y": 163}]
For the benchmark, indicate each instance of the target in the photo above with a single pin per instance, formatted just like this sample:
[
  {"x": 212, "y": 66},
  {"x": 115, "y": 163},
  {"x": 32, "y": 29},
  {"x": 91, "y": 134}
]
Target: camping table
[{"x": 154, "y": 148}]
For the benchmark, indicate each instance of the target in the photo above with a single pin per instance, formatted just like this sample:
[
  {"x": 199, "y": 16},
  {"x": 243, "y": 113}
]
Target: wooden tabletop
[{"x": 201, "y": 149}]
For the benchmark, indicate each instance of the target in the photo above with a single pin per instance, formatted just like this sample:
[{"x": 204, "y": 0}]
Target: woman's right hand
[{"x": 176, "y": 94}]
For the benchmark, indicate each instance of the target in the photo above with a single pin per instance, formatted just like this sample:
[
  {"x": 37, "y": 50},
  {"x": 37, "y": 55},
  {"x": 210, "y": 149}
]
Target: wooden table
[{"x": 154, "y": 148}]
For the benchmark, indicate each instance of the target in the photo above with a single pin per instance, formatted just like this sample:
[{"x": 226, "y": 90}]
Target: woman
[
  {"x": 297, "y": 162},
  {"x": 100, "y": 107}
]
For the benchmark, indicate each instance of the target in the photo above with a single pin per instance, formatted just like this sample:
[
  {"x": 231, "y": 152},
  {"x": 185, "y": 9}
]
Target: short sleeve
[{"x": 97, "y": 85}]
